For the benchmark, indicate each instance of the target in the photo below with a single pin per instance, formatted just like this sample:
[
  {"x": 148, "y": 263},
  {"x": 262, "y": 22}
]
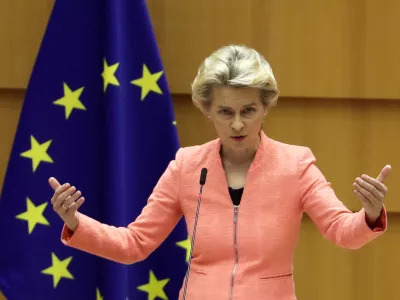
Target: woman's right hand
[{"x": 66, "y": 201}]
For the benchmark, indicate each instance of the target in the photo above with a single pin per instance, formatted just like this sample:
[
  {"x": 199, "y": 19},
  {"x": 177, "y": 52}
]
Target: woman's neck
[{"x": 238, "y": 158}]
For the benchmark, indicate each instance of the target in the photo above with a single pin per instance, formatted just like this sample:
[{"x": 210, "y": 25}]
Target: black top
[{"x": 236, "y": 195}]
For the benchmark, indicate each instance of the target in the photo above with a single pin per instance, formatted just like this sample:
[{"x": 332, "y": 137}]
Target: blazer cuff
[
  {"x": 69, "y": 237},
  {"x": 380, "y": 224}
]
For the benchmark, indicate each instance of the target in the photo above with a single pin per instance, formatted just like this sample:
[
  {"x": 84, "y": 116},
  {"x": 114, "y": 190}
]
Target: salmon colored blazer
[{"x": 252, "y": 257}]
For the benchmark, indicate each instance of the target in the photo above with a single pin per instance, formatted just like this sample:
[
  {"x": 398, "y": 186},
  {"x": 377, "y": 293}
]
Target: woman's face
[{"x": 237, "y": 114}]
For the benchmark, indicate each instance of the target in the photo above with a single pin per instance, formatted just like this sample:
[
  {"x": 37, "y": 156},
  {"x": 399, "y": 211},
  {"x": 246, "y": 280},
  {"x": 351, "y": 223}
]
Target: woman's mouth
[{"x": 238, "y": 138}]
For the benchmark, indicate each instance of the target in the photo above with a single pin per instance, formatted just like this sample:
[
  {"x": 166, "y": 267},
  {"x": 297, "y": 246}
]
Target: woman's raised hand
[{"x": 66, "y": 202}]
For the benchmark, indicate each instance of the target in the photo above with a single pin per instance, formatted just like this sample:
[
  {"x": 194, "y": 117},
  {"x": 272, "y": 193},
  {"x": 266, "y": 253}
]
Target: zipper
[{"x": 235, "y": 216}]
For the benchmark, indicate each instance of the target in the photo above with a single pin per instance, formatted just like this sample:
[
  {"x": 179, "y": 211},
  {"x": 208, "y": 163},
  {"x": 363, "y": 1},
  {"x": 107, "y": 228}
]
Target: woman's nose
[{"x": 237, "y": 124}]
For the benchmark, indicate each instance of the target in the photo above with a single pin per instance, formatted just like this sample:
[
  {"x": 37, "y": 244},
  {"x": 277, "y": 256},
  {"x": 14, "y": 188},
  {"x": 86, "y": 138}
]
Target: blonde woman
[{"x": 256, "y": 193}]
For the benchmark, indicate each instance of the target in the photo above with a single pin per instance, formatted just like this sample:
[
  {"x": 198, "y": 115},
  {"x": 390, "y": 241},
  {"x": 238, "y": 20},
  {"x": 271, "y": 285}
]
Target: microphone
[{"x": 203, "y": 176}]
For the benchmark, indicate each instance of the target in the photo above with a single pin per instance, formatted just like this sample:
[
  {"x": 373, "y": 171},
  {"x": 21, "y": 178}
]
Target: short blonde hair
[{"x": 237, "y": 66}]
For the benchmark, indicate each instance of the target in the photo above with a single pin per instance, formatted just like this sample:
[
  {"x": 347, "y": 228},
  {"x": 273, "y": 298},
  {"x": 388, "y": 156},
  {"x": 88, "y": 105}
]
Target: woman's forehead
[{"x": 232, "y": 96}]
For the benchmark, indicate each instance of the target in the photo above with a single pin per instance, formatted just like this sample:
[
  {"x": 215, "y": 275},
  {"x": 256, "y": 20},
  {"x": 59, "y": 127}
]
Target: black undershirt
[{"x": 236, "y": 195}]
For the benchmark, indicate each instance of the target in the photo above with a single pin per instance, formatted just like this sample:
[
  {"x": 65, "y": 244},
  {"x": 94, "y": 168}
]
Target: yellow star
[
  {"x": 155, "y": 288},
  {"x": 109, "y": 74},
  {"x": 38, "y": 153},
  {"x": 185, "y": 244},
  {"x": 34, "y": 215},
  {"x": 58, "y": 269},
  {"x": 174, "y": 123},
  {"x": 98, "y": 295},
  {"x": 148, "y": 82},
  {"x": 70, "y": 100}
]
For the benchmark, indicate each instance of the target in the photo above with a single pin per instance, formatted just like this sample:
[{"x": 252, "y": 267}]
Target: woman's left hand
[{"x": 372, "y": 192}]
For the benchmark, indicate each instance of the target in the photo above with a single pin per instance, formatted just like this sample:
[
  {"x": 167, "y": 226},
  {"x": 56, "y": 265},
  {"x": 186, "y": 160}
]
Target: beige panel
[
  {"x": 308, "y": 45},
  {"x": 193, "y": 29},
  {"x": 22, "y": 25},
  {"x": 6, "y": 44},
  {"x": 382, "y": 49},
  {"x": 316, "y": 48}
]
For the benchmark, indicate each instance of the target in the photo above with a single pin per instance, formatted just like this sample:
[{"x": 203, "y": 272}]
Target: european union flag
[{"x": 97, "y": 114}]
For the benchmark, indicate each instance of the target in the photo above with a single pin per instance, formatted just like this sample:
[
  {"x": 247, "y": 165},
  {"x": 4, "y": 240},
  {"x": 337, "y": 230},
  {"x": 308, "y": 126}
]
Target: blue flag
[{"x": 97, "y": 114}]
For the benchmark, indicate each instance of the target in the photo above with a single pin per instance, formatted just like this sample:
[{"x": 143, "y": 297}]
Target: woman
[{"x": 256, "y": 192}]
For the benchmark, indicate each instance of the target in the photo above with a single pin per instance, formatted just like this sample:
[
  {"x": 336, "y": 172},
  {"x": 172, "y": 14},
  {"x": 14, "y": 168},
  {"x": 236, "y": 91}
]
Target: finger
[
  {"x": 366, "y": 203},
  {"x": 376, "y": 183},
  {"x": 58, "y": 192},
  {"x": 67, "y": 203},
  {"x": 384, "y": 173},
  {"x": 62, "y": 210},
  {"x": 54, "y": 183},
  {"x": 75, "y": 206},
  {"x": 64, "y": 195},
  {"x": 370, "y": 189},
  {"x": 367, "y": 194}
]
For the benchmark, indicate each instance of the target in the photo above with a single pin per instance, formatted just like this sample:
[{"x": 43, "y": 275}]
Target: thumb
[
  {"x": 54, "y": 183},
  {"x": 384, "y": 173}
]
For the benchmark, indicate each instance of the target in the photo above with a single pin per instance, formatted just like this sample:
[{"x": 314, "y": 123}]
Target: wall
[
  {"x": 335, "y": 62},
  {"x": 318, "y": 48}
]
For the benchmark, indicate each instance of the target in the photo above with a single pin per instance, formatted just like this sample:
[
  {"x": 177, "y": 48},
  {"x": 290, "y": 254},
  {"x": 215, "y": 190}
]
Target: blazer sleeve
[
  {"x": 135, "y": 242},
  {"x": 333, "y": 219}
]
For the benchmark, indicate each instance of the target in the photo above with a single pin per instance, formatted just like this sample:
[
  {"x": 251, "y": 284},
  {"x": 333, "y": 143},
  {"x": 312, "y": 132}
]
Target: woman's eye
[
  {"x": 249, "y": 110},
  {"x": 225, "y": 111}
]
